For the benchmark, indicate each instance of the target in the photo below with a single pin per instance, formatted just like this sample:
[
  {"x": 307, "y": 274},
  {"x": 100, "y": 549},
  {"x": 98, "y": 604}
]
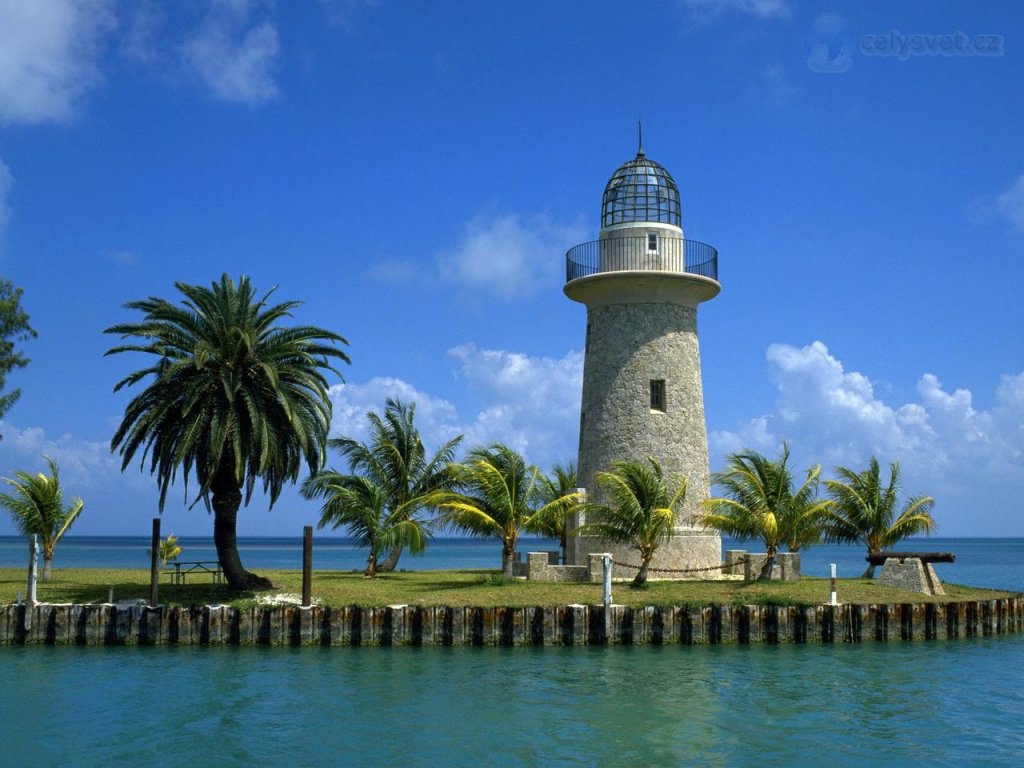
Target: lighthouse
[{"x": 641, "y": 282}]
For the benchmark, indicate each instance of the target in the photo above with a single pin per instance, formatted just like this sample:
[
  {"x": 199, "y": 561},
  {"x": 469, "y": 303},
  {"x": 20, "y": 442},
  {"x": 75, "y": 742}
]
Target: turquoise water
[
  {"x": 947, "y": 703},
  {"x": 955, "y": 703}
]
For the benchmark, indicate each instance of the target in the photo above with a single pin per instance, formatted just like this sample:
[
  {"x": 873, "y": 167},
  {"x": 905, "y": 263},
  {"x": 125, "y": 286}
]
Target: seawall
[{"x": 109, "y": 624}]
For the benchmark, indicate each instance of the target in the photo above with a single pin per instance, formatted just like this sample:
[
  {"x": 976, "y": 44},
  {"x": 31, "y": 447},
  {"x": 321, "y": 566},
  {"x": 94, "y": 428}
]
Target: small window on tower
[
  {"x": 658, "y": 395},
  {"x": 652, "y": 241}
]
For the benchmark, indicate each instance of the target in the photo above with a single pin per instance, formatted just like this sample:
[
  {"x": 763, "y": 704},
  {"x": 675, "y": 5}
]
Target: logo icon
[{"x": 829, "y": 43}]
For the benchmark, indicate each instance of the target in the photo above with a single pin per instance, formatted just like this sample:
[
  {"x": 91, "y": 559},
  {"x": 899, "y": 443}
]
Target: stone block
[{"x": 912, "y": 575}]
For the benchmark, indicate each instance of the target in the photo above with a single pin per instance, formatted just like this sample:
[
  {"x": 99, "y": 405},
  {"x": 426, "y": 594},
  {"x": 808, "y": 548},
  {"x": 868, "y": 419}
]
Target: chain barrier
[{"x": 741, "y": 561}]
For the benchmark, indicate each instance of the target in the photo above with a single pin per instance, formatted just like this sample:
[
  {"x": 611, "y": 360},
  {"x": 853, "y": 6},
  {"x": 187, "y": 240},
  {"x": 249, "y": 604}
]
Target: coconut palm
[
  {"x": 562, "y": 481},
  {"x": 499, "y": 495},
  {"x": 760, "y": 503},
  {"x": 37, "y": 506},
  {"x": 362, "y": 507},
  {"x": 234, "y": 397},
  {"x": 642, "y": 509},
  {"x": 396, "y": 461},
  {"x": 168, "y": 550},
  {"x": 863, "y": 510}
]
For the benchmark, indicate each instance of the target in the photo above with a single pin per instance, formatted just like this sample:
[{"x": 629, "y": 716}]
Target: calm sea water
[
  {"x": 979, "y": 562},
  {"x": 949, "y": 703},
  {"x": 935, "y": 704}
]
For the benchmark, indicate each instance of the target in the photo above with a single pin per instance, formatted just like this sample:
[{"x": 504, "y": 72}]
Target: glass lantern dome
[{"x": 641, "y": 191}]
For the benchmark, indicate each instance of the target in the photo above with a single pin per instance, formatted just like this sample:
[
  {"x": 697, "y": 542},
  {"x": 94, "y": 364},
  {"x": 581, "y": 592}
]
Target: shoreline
[{"x": 568, "y": 625}]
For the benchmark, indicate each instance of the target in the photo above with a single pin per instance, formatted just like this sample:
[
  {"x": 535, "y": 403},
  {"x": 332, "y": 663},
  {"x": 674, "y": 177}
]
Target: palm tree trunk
[
  {"x": 391, "y": 561},
  {"x": 870, "y": 572},
  {"x": 47, "y": 560},
  {"x": 641, "y": 576},
  {"x": 227, "y": 498},
  {"x": 766, "y": 569},
  {"x": 507, "y": 553},
  {"x": 371, "y": 565}
]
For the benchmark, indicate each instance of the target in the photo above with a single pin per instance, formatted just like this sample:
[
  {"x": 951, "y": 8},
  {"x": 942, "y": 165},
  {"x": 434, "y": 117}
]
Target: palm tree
[
  {"x": 396, "y": 461},
  {"x": 234, "y": 398},
  {"x": 862, "y": 510},
  {"x": 499, "y": 495},
  {"x": 562, "y": 481},
  {"x": 760, "y": 503},
  {"x": 167, "y": 549},
  {"x": 37, "y": 506},
  {"x": 642, "y": 510},
  {"x": 362, "y": 506}
]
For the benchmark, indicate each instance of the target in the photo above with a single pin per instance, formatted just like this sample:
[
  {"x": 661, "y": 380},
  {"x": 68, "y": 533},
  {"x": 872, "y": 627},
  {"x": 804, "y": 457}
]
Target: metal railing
[{"x": 619, "y": 254}]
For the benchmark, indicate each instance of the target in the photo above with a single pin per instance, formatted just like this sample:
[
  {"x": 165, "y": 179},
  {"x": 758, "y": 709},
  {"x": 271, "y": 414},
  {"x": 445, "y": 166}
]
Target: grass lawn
[{"x": 462, "y": 588}]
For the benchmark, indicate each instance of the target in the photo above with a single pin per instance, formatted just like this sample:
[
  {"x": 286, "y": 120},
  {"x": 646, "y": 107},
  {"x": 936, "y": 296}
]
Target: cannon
[{"x": 879, "y": 558}]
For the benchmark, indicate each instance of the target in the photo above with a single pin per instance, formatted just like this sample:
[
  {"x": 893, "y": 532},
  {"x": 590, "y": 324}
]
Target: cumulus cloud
[
  {"x": 529, "y": 403},
  {"x": 533, "y": 403},
  {"x": 436, "y": 418},
  {"x": 963, "y": 456},
  {"x": 82, "y": 463},
  {"x": 710, "y": 10},
  {"x": 509, "y": 255},
  {"x": 234, "y": 55},
  {"x": 48, "y": 53}
]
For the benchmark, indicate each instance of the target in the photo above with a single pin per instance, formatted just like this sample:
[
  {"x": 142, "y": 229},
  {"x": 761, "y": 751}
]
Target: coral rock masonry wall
[{"x": 562, "y": 625}]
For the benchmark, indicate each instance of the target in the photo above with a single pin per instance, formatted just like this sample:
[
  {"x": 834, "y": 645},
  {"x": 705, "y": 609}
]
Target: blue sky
[{"x": 414, "y": 173}]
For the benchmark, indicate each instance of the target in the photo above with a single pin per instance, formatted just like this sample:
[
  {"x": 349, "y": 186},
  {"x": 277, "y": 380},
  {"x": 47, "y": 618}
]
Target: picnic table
[{"x": 183, "y": 569}]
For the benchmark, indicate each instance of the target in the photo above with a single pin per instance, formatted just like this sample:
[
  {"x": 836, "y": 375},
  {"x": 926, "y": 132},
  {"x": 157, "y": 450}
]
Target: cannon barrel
[{"x": 879, "y": 558}]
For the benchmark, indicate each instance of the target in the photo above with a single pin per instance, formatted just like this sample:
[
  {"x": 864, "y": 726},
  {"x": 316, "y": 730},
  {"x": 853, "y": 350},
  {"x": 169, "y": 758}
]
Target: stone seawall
[{"x": 107, "y": 624}]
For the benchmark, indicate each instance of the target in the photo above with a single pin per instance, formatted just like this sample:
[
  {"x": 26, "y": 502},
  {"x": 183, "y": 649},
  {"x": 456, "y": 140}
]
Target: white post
[
  {"x": 833, "y": 601},
  {"x": 607, "y": 562},
  {"x": 30, "y": 599}
]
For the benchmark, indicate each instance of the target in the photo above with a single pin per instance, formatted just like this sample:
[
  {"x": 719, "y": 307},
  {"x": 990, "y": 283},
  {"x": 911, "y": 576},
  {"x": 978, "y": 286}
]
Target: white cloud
[
  {"x": 709, "y": 10},
  {"x": 83, "y": 464},
  {"x": 779, "y": 85},
  {"x": 143, "y": 21},
  {"x": 436, "y": 418},
  {"x": 48, "y": 52},
  {"x": 530, "y": 403},
  {"x": 1010, "y": 204},
  {"x": 508, "y": 255},
  {"x": 343, "y": 13},
  {"x": 965, "y": 457},
  {"x": 533, "y": 402},
  {"x": 234, "y": 56}
]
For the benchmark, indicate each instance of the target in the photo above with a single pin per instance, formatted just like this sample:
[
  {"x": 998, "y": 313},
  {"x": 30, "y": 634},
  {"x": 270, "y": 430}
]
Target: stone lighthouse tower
[{"x": 641, "y": 282}]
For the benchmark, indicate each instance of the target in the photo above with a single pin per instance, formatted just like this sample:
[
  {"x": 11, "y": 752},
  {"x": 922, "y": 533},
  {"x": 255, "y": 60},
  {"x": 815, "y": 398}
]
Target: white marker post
[
  {"x": 33, "y": 567},
  {"x": 607, "y": 562},
  {"x": 833, "y": 601}
]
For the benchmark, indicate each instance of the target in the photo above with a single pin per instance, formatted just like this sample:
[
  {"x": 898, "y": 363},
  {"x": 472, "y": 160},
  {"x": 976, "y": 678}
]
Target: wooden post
[
  {"x": 154, "y": 569},
  {"x": 307, "y": 565}
]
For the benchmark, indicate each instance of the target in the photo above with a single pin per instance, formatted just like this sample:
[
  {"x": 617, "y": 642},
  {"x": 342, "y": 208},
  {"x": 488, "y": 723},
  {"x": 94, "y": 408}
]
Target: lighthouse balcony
[{"x": 641, "y": 254}]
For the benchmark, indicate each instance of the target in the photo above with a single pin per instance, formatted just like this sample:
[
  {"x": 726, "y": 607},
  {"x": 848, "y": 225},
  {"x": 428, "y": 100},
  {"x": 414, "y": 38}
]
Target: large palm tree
[
  {"x": 562, "y": 481},
  {"x": 234, "y": 397},
  {"x": 759, "y": 502},
  {"x": 37, "y": 506},
  {"x": 863, "y": 510},
  {"x": 361, "y": 506},
  {"x": 500, "y": 496},
  {"x": 396, "y": 461},
  {"x": 642, "y": 509}
]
